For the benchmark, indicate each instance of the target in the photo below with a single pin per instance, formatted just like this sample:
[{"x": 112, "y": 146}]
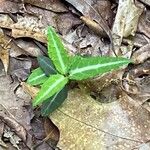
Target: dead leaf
[
  {"x": 126, "y": 21},
  {"x": 8, "y": 6},
  {"x": 5, "y": 21},
  {"x": 51, "y": 131},
  {"x": 53, "y": 5},
  {"x": 147, "y": 2},
  {"x": 144, "y": 23},
  {"x": 20, "y": 68},
  {"x": 141, "y": 54},
  {"x": 15, "y": 115},
  {"x": 32, "y": 91},
  {"x": 86, "y": 8},
  {"x": 9, "y": 119},
  {"x": 29, "y": 27},
  {"x": 117, "y": 125},
  {"x": 40, "y": 141},
  {"x": 66, "y": 22},
  {"x": 29, "y": 46},
  {"x": 14, "y": 140},
  {"x": 4, "y": 56}
]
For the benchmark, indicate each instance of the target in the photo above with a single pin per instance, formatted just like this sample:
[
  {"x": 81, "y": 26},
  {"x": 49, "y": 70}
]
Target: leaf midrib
[
  {"x": 57, "y": 51},
  {"x": 93, "y": 67}
]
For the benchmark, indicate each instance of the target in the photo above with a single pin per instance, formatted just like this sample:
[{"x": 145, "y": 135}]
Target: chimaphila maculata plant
[{"x": 55, "y": 72}]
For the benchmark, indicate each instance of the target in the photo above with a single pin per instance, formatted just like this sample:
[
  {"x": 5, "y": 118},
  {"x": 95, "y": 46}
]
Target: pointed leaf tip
[
  {"x": 92, "y": 66},
  {"x": 57, "y": 51}
]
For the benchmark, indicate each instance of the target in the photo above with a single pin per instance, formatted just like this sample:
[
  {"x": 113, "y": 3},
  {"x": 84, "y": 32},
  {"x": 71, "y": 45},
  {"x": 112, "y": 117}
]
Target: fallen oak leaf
[{"x": 88, "y": 124}]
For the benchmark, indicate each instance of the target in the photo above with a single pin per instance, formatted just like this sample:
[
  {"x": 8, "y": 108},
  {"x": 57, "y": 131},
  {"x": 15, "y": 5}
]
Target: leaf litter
[{"x": 117, "y": 117}]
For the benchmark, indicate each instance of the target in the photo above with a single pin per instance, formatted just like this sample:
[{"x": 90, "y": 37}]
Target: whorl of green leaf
[
  {"x": 57, "y": 51},
  {"x": 46, "y": 65},
  {"x": 37, "y": 77},
  {"x": 52, "y": 85},
  {"x": 90, "y": 67}
]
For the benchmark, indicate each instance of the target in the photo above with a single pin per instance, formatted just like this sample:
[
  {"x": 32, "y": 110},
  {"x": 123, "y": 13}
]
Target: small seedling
[{"x": 55, "y": 72}]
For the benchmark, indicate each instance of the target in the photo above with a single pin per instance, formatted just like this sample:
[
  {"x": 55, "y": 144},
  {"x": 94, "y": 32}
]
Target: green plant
[{"x": 55, "y": 72}]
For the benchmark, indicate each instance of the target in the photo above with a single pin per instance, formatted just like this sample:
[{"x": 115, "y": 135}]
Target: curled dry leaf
[
  {"x": 93, "y": 25},
  {"x": 88, "y": 124},
  {"x": 126, "y": 21}
]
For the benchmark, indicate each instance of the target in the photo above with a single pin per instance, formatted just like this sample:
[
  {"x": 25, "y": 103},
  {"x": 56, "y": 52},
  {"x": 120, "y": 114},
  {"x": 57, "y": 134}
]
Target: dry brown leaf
[
  {"x": 66, "y": 22},
  {"x": 10, "y": 121},
  {"x": 51, "y": 131},
  {"x": 29, "y": 26},
  {"x": 86, "y": 8},
  {"x": 8, "y": 6},
  {"x": 15, "y": 114},
  {"x": 126, "y": 21},
  {"x": 29, "y": 47},
  {"x": 20, "y": 68},
  {"x": 88, "y": 124},
  {"x": 4, "y": 53},
  {"x": 32, "y": 91},
  {"x": 5, "y": 21},
  {"x": 144, "y": 23},
  {"x": 141, "y": 54},
  {"x": 93, "y": 25},
  {"x": 4, "y": 56},
  {"x": 147, "y": 2},
  {"x": 53, "y": 5}
]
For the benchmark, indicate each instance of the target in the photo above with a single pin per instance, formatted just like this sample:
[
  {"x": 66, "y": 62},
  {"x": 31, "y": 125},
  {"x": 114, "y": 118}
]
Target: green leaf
[
  {"x": 57, "y": 52},
  {"x": 52, "y": 85},
  {"x": 52, "y": 103},
  {"x": 89, "y": 67},
  {"x": 46, "y": 65},
  {"x": 37, "y": 77}
]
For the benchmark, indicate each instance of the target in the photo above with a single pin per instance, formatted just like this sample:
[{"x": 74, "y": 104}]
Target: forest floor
[{"x": 109, "y": 112}]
